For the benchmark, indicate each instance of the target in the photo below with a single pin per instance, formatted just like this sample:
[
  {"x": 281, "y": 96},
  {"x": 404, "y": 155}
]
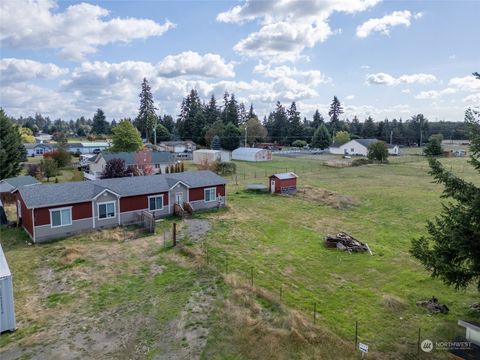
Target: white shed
[
  {"x": 251, "y": 154},
  {"x": 7, "y": 310},
  {"x": 206, "y": 155}
]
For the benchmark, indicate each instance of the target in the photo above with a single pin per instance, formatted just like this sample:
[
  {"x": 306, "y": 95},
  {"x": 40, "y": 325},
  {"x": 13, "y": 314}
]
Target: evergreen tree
[
  {"x": 188, "y": 120},
  {"x": 125, "y": 137},
  {"x": 334, "y": 113},
  {"x": 369, "y": 129},
  {"x": 146, "y": 118},
  {"x": 231, "y": 137},
  {"x": 216, "y": 145},
  {"x": 434, "y": 146},
  {"x": 321, "y": 138},
  {"x": 12, "y": 151},
  {"x": 168, "y": 122},
  {"x": 217, "y": 128},
  {"x": 295, "y": 128},
  {"x": 317, "y": 119},
  {"x": 251, "y": 113},
  {"x": 212, "y": 113},
  {"x": 280, "y": 125},
  {"x": 451, "y": 251},
  {"x": 232, "y": 111},
  {"x": 100, "y": 124}
]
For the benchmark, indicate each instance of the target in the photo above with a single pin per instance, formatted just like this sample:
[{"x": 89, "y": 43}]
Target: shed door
[{"x": 272, "y": 186}]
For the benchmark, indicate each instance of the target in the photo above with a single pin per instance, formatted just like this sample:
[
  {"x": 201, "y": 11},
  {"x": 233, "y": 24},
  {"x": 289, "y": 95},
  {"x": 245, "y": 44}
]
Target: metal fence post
[{"x": 356, "y": 334}]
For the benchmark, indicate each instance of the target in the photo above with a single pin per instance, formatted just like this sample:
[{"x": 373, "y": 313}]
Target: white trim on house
[
  {"x": 60, "y": 209},
  {"x": 101, "y": 192},
  {"x": 106, "y": 210},
  {"x": 205, "y": 194},
  {"x": 179, "y": 182},
  {"x": 93, "y": 215},
  {"x": 155, "y": 196},
  {"x": 119, "y": 211}
]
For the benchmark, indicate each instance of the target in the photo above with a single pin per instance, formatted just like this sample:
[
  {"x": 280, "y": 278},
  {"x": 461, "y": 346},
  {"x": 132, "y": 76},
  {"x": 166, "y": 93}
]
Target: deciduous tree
[
  {"x": 114, "y": 168},
  {"x": 378, "y": 151},
  {"x": 125, "y": 137}
]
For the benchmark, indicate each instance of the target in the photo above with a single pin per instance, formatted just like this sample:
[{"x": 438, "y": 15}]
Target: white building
[
  {"x": 359, "y": 147},
  {"x": 38, "y": 149},
  {"x": 210, "y": 156},
  {"x": 251, "y": 154},
  {"x": 177, "y": 146},
  {"x": 7, "y": 313}
]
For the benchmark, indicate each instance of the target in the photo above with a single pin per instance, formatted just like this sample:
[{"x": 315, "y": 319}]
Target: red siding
[
  {"x": 132, "y": 203},
  {"x": 199, "y": 194},
  {"x": 283, "y": 183},
  {"x": 27, "y": 222},
  {"x": 79, "y": 211}
]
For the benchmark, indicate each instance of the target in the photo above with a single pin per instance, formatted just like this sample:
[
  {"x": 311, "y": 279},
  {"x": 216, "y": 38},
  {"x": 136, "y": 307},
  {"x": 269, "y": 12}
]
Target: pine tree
[
  {"x": 232, "y": 115},
  {"x": 451, "y": 251},
  {"x": 100, "y": 124},
  {"x": 231, "y": 137},
  {"x": 334, "y": 113},
  {"x": 279, "y": 132},
  {"x": 434, "y": 146},
  {"x": 317, "y": 119},
  {"x": 12, "y": 151},
  {"x": 321, "y": 138},
  {"x": 146, "y": 117},
  {"x": 369, "y": 129},
  {"x": 216, "y": 145},
  {"x": 251, "y": 113},
  {"x": 212, "y": 113},
  {"x": 295, "y": 128},
  {"x": 189, "y": 119}
]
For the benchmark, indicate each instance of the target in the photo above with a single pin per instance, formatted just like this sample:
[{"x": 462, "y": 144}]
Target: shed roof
[
  {"x": 83, "y": 191},
  {"x": 285, "y": 176},
  {"x": 247, "y": 150},
  {"x": 207, "y": 151},
  {"x": 368, "y": 142},
  {"x": 20, "y": 181},
  {"x": 4, "y": 269}
]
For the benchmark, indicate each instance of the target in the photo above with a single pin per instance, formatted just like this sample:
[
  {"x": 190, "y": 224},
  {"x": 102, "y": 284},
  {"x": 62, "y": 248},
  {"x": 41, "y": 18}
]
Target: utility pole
[{"x": 391, "y": 137}]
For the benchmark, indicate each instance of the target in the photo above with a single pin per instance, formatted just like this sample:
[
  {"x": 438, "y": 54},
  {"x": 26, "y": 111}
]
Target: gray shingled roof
[
  {"x": 81, "y": 191},
  {"x": 367, "y": 142},
  {"x": 21, "y": 181},
  {"x": 129, "y": 157}
]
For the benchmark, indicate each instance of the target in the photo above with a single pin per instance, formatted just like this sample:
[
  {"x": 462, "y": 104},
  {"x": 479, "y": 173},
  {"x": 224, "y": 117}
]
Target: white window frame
[
  {"x": 205, "y": 194},
  {"x": 106, "y": 212},
  {"x": 60, "y": 209},
  {"x": 156, "y": 196}
]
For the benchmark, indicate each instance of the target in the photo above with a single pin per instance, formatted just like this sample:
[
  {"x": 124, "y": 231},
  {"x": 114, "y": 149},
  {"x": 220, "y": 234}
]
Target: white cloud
[
  {"x": 434, "y": 94},
  {"x": 308, "y": 77},
  {"x": 192, "y": 63},
  {"x": 387, "y": 79},
  {"x": 473, "y": 99},
  {"x": 77, "y": 31},
  {"x": 384, "y": 24},
  {"x": 18, "y": 70},
  {"x": 467, "y": 83},
  {"x": 406, "y": 91},
  {"x": 349, "y": 97},
  {"x": 288, "y": 26}
]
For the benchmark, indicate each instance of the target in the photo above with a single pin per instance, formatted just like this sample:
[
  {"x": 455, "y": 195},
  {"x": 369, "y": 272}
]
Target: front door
[
  {"x": 272, "y": 186},
  {"x": 179, "y": 198}
]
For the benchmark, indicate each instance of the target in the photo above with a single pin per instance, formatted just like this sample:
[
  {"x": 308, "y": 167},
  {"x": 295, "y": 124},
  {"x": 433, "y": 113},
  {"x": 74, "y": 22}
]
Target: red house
[{"x": 284, "y": 183}]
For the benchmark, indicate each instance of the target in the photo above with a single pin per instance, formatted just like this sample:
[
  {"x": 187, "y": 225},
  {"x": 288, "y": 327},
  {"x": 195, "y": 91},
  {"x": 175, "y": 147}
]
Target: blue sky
[{"x": 385, "y": 59}]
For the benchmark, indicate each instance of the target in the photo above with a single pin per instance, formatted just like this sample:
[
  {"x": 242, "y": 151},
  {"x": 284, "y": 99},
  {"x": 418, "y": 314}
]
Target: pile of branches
[
  {"x": 434, "y": 306},
  {"x": 345, "y": 242}
]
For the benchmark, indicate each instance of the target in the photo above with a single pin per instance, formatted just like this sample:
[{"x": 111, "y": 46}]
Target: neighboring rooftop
[
  {"x": 364, "y": 142},
  {"x": 82, "y": 191},
  {"x": 285, "y": 176},
  {"x": 248, "y": 150},
  {"x": 129, "y": 157},
  {"x": 17, "y": 181}
]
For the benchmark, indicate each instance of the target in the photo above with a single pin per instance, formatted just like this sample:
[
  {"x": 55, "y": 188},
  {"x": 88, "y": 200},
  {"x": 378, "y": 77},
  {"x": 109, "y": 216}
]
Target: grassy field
[{"x": 102, "y": 297}]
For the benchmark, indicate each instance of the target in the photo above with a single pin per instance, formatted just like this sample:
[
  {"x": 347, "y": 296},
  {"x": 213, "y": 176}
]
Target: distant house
[
  {"x": 88, "y": 147},
  {"x": 209, "y": 156},
  {"x": 359, "y": 147},
  {"x": 178, "y": 146},
  {"x": 38, "y": 149},
  {"x": 158, "y": 160},
  {"x": 50, "y": 211},
  {"x": 283, "y": 183},
  {"x": 9, "y": 185},
  {"x": 251, "y": 154}
]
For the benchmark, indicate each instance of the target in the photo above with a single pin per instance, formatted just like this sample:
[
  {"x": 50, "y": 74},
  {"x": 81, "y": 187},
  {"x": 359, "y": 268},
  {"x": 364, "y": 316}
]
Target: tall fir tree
[
  {"x": 321, "y": 138},
  {"x": 451, "y": 250},
  {"x": 280, "y": 125},
  {"x": 231, "y": 137},
  {"x": 189, "y": 120},
  {"x": 100, "y": 124},
  {"x": 295, "y": 128},
  {"x": 335, "y": 111},
  {"x": 317, "y": 119},
  {"x": 212, "y": 113},
  {"x": 146, "y": 118},
  {"x": 369, "y": 129},
  {"x": 12, "y": 151}
]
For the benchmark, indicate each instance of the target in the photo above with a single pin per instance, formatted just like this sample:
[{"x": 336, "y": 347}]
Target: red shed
[{"x": 284, "y": 183}]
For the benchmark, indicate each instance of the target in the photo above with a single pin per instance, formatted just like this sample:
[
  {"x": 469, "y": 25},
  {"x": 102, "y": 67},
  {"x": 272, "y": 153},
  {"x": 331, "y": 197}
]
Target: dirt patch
[
  {"x": 191, "y": 329},
  {"x": 195, "y": 229},
  {"x": 393, "y": 303},
  {"x": 326, "y": 197}
]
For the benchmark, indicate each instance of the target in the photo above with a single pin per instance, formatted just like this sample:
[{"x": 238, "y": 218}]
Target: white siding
[
  {"x": 251, "y": 154},
  {"x": 200, "y": 156},
  {"x": 350, "y": 148}
]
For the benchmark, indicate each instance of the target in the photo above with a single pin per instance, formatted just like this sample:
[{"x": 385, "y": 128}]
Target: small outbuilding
[
  {"x": 7, "y": 313},
  {"x": 284, "y": 183},
  {"x": 9, "y": 185},
  {"x": 251, "y": 154},
  {"x": 210, "y": 156}
]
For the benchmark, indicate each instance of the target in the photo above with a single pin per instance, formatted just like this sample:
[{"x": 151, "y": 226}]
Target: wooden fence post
[
  {"x": 314, "y": 313},
  {"x": 174, "y": 234},
  {"x": 356, "y": 334}
]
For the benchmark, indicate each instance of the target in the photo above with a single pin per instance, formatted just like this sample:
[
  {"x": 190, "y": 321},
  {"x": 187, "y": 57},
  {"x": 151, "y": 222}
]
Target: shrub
[
  {"x": 225, "y": 168},
  {"x": 299, "y": 143},
  {"x": 378, "y": 151},
  {"x": 434, "y": 147},
  {"x": 32, "y": 169},
  {"x": 360, "y": 162},
  {"x": 61, "y": 156},
  {"x": 49, "y": 168}
]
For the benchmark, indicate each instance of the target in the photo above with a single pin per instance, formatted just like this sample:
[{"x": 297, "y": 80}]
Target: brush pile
[
  {"x": 434, "y": 306},
  {"x": 343, "y": 241}
]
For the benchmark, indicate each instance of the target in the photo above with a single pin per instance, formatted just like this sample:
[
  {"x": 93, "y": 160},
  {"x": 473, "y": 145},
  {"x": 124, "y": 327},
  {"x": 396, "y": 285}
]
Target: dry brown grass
[
  {"x": 326, "y": 197},
  {"x": 393, "y": 303},
  {"x": 69, "y": 255}
]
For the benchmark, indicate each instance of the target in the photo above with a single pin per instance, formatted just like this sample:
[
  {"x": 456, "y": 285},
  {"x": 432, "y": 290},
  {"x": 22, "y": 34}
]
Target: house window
[
  {"x": 61, "y": 217},
  {"x": 210, "y": 194},
  {"x": 155, "y": 203},
  {"x": 157, "y": 166},
  {"x": 106, "y": 210},
  {"x": 39, "y": 151},
  {"x": 352, "y": 150}
]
